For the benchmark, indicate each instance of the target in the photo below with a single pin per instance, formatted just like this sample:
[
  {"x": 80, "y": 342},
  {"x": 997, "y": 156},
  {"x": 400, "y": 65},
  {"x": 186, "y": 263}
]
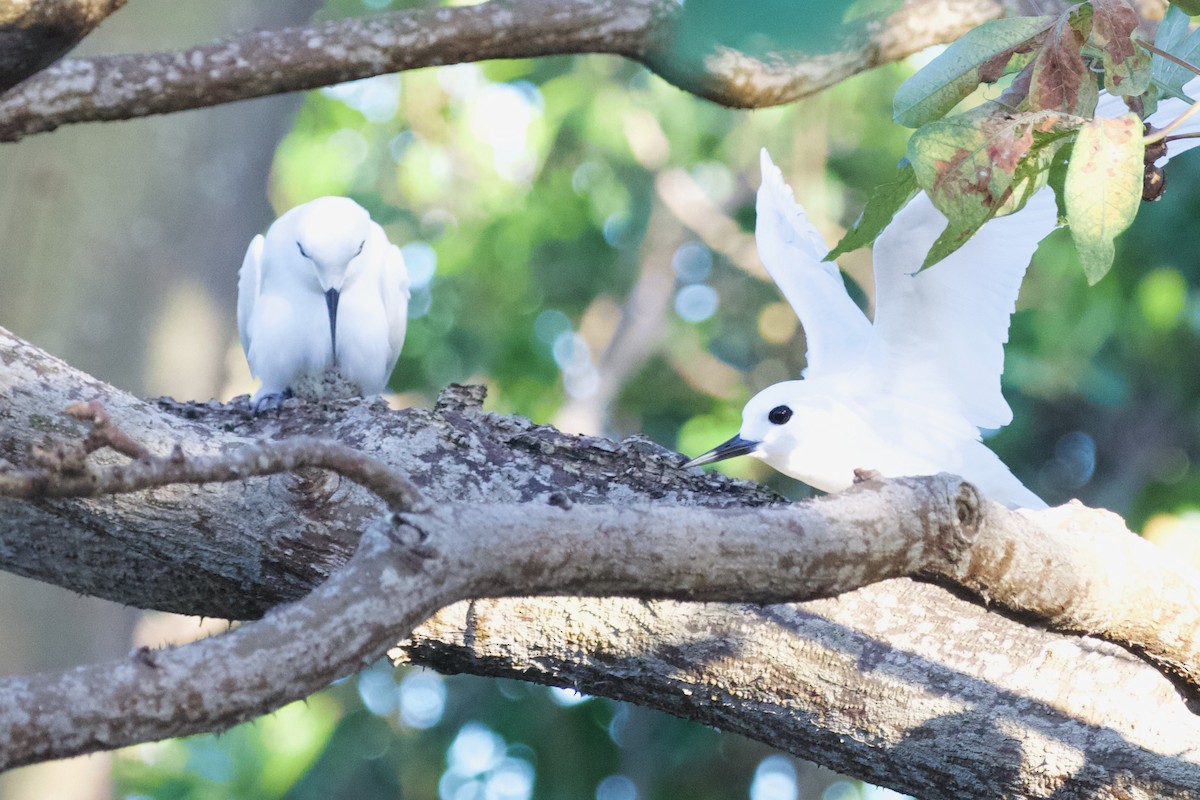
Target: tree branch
[
  {"x": 35, "y": 34},
  {"x": 519, "y": 509},
  {"x": 269, "y": 62},
  {"x": 66, "y": 474},
  {"x": 419, "y": 560},
  {"x": 412, "y": 565},
  {"x": 932, "y": 699}
]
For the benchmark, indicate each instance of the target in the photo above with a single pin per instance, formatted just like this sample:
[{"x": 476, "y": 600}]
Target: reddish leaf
[
  {"x": 1018, "y": 90},
  {"x": 1113, "y": 24},
  {"x": 969, "y": 165},
  {"x": 1126, "y": 66},
  {"x": 1060, "y": 80}
]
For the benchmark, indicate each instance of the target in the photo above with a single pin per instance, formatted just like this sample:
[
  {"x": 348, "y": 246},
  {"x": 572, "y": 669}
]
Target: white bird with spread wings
[
  {"x": 907, "y": 394},
  {"x": 324, "y": 290}
]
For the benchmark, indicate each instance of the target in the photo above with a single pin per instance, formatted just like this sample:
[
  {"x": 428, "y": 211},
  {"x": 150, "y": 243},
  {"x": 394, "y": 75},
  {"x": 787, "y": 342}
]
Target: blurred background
[{"x": 579, "y": 237}]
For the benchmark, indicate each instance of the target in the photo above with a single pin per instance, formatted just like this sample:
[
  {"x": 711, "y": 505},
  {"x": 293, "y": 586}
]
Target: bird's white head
[
  {"x": 320, "y": 240},
  {"x": 773, "y": 424},
  {"x": 316, "y": 247}
]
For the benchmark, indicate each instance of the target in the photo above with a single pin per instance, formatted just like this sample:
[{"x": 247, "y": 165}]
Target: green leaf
[
  {"x": 1173, "y": 38},
  {"x": 885, "y": 201},
  {"x": 1103, "y": 188},
  {"x": 1190, "y": 7},
  {"x": 943, "y": 82},
  {"x": 967, "y": 163},
  {"x": 1031, "y": 175},
  {"x": 981, "y": 164}
]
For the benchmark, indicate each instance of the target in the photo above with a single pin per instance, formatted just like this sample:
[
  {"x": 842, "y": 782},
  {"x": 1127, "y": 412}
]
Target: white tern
[
  {"x": 323, "y": 290},
  {"x": 907, "y": 394}
]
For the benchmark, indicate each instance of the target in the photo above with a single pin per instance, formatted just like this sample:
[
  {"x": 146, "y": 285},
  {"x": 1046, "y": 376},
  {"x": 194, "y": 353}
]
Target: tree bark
[
  {"x": 34, "y": 35},
  {"x": 901, "y": 683}
]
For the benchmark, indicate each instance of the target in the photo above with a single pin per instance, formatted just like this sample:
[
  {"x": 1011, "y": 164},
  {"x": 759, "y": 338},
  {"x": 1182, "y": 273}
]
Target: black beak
[
  {"x": 331, "y": 301},
  {"x": 737, "y": 446}
]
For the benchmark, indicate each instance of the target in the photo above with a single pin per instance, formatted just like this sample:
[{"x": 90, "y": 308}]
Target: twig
[{"x": 65, "y": 473}]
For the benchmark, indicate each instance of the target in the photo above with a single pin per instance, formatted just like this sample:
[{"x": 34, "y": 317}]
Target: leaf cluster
[{"x": 985, "y": 159}]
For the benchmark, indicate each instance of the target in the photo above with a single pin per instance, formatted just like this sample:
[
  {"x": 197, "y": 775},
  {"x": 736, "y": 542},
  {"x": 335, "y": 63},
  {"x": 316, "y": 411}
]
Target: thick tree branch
[
  {"x": 34, "y": 34},
  {"x": 422, "y": 559},
  {"x": 904, "y": 671},
  {"x": 928, "y": 699},
  {"x": 418, "y": 562},
  {"x": 270, "y": 62}
]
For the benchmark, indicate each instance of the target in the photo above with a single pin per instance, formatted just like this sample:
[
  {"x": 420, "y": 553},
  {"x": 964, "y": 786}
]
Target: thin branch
[
  {"x": 65, "y": 473},
  {"x": 1176, "y": 137},
  {"x": 292, "y": 59},
  {"x": 1173, "y": 125},
  {"x": 1190, "y": 67}
]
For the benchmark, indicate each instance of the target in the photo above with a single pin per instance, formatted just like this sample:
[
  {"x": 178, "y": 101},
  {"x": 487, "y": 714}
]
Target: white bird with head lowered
[
  {"x": 908, "y": 393},
  {"x": 324, "y": 290}
]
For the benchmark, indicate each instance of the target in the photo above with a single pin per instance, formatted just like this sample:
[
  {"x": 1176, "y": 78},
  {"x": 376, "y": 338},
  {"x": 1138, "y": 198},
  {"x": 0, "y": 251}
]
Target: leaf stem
[
  {"x": 1172, "y": 58},
  {"x": 1162, "y": 133}
]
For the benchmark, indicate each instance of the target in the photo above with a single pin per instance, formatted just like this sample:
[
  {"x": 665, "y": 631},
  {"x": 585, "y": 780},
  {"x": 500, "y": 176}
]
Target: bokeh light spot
[
  {"x": 421, "y": 260},
  {"x": 774, "y": 779},
  {"x": 1162, "y": 297},
  {"x": 696, "y": 302},
  {"x": 422, "y": 699},
  {"x": 692, "y": 262},
  {"x": 777, "y": 323},
  {"x": 616, "y": 787},
  {"x": 565, "y": 697}
]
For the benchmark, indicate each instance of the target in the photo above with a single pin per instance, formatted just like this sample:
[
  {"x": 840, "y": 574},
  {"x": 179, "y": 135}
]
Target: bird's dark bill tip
[
  {"x": 331, "y": 303},
  {"x": 737, "y": 446}
]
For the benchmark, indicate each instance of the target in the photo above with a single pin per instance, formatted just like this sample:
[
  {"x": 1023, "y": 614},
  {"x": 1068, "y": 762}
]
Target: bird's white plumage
[
  {"x": 947, "y": 326},
  {"x": 906, "y": 394},
  {"x": 835, "y": 329},
  {"x": 330, "y": 243}
]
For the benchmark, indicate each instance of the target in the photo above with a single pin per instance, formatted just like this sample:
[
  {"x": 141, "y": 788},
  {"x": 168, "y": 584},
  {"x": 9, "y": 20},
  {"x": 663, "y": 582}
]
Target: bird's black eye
[
  {"x": 302, "y": 250},
  {"x": 779, "y": 415}
]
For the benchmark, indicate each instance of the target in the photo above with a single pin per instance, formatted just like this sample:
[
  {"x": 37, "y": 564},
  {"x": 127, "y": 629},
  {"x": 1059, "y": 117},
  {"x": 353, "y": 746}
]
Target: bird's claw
[
  {"x": 271, "y": 402},
  {"x": 866, "y": 475}
]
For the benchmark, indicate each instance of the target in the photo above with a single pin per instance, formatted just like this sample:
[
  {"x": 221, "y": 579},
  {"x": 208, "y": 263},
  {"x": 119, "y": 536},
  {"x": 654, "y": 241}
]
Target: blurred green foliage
[{"x": 523, "y": 193}]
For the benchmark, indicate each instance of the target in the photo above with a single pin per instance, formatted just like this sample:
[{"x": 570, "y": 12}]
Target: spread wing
[
  {"x": 944, "y": 330},
  {"x": 249, "y": 285},
  {"x": 835, "y": 328},
  {"x": 395, "y": 293}
]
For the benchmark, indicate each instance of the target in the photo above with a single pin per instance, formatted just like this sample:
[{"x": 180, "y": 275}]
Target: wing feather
[
  {"x": 395, "y": 291},
  {"x": 944, "y": 329},
  {"x": 836, "y": 330},
  {"x": 249, "y": 287}
]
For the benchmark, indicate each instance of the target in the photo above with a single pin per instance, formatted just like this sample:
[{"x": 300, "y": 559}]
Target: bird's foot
[
  {"x": 864, "y": 475},
  {"x": 271, "y": 401}
]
